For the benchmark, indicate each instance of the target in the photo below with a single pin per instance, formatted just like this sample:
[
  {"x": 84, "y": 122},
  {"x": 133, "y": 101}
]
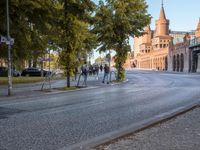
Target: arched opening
[
  {"x": 174, "y": 63},
  {"x": 182, "y": 63},
  {"x": 156, "y": 63},
  {"x": 163, "y": 63},
  {"x": 177, "y": 63},
  {"x": 166, "y": 63},
  {"x": 160, "y": 63}
]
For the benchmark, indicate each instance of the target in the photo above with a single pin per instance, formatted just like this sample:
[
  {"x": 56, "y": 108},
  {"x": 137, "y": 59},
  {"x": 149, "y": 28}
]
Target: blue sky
[{"x": 183, "y": 14}]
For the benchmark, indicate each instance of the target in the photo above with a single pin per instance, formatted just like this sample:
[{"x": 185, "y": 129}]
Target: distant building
[
  {"x": 179, "y": 56},
  {"x": 129, "y": 61},
  {"x": 162, "y": 49},
  {"x": 178, "y": 36},
  {"x": 184, "y": 58},
  {"x": 151, "y": 49},
  {"x": 197, "y": 32}
]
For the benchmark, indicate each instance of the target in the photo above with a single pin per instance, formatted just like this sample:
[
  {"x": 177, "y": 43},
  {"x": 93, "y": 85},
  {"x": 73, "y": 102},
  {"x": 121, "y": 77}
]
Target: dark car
[
  {"x": 4, "y": 72},
  {"x": 34, "y": 72}
]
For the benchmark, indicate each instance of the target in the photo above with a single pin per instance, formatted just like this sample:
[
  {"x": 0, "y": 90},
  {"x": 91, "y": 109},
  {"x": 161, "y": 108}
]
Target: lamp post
[{"x": 9, "y": 51}]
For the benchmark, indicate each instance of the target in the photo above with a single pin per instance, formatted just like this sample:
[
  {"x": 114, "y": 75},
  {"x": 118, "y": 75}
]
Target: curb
[
  {"x": 75, "y": 90},
  {"x": 85, "y": 88},
  {"x": 134, "y": 128},
  {"x": 123, "y": 82},
  {"x": 42, "y": 93}
]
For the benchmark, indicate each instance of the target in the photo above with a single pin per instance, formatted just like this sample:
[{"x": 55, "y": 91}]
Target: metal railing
[{"x": 195, "y": 42}]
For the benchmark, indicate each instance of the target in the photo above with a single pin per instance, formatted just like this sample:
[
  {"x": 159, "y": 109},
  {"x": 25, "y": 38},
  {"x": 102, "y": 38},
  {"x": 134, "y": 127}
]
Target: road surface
[{"x": 62, "y": 120}]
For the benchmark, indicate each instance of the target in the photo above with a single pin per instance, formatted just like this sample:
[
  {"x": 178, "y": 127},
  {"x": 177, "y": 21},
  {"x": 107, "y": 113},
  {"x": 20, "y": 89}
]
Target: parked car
[
  {"x": 4, "y": 72},
  {"x": 34, "y": 72}
]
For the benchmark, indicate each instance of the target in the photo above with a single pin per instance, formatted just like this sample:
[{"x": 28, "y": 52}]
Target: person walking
[
  {"x": 101, "y": 67},
  {"x": 97, "y": 71},
  {"x": 84, "y": 73},
  {"x": 106, "y": 73}
]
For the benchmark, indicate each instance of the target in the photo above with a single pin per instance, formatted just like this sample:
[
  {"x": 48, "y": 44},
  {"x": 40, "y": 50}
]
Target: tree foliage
[
  {"x": 73, "y": 28},
  {"x": 62, "y": 25},
  {"x": 29, "y": 26},
  {"x": 116, "y": 21},
  {"x": 77, "y": 38}
]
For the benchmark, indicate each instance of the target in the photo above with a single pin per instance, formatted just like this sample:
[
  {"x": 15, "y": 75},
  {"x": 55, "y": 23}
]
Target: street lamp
[{"x": 9, "y": 51}]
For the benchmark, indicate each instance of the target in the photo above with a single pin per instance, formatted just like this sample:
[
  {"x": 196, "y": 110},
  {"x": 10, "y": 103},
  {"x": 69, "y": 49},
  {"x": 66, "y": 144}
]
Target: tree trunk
[
  {"x": 29, "y": 63},
  {"x": 120, "y": 60},
  {"x": 42, "y": 71},
  {"x": 119, "y": 55},
  {"x": 118, "y": 72},
  {"x": 68, "y": 78},
  {"x": 34, "y": 62}
]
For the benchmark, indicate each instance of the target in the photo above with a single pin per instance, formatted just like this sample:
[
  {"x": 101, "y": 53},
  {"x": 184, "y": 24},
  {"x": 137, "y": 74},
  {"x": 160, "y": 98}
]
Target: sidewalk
[
  {"x": 34, "y": 89},
  {"x": 179, "y": 133}
]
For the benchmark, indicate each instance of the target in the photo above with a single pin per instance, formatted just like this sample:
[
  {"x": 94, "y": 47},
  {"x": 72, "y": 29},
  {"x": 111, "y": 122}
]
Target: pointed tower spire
[
  {"x": 198, "y": 26},
  {"x": 162, "y": 13},
  {"x": 162, "y": 24},
  {"x": 197, "y": 32}
]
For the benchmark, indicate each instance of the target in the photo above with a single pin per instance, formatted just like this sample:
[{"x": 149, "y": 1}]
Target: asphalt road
[{"x": 60, "y": 121}]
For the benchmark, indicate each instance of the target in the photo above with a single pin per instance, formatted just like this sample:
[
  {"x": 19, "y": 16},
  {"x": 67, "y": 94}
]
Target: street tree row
[{"x": 73, "y": 28}]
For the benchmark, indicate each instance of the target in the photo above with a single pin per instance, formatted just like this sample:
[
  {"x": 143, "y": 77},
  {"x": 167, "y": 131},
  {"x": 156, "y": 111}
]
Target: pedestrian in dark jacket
[
  {"x": 84, "y": 73},
  {"x": 106, "y": 73}
]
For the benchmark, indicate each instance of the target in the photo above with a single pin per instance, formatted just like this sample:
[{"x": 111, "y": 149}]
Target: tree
[
  {"x": 116, "y": 21},
  {"x": 29, "y": 24},
  {"x": 77, "y": 39}
]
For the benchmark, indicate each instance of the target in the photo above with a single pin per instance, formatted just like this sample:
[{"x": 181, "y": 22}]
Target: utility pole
[{"x": 9, "y": 51}]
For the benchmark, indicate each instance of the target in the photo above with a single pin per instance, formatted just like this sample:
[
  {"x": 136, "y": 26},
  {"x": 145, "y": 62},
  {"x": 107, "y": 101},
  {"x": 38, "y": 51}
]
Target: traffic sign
[
  {"x": 12, "y": 41},
  {"x": 3, "y": 39},
  {"x": 7, "y": 41}
]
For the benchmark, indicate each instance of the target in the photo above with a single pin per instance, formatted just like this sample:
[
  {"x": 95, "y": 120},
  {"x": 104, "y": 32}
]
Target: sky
[{"x": 183, "y": 14}]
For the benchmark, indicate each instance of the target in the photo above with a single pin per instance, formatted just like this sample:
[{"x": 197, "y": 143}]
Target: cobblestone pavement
[{"x": 180, "y": 133}]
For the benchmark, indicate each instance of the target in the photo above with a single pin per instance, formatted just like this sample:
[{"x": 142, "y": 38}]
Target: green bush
[{"x": 20, "y": 80}]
